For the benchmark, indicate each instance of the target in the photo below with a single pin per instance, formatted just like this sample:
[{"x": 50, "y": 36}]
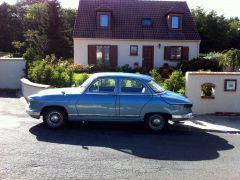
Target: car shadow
[{"x": 134, "y": 139}]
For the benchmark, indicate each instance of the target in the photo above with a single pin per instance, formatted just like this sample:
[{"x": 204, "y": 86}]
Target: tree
[
  {"x": 40, "y": 24},
  {"x": 11, "y": 27},
  {"x": 57, "y": 41},
  {"x": 49, "y": 33},
  {"x": 68, "y": 21},
  {"x": 234, "y": 33},
  {"x": 37, "y": 22},
  {"x": 213, "y": 30}
]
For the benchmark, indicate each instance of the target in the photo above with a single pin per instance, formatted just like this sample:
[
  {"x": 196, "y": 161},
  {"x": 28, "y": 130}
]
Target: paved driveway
[{"x": 29, "y": 150}]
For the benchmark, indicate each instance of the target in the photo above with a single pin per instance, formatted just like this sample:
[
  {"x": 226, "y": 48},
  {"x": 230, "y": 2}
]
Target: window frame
[
  {"x": 147, "y": 92},
  {"x": 170, "y": 55},
  {"x": 170, "y": 17},
  {"x": 109, "y": 20},
  {"x": 131, "y": 53},
  {"x": 103, "y": 54},
  {"x": 104, "y": 93},
  {"x": 148, "y": 19}
]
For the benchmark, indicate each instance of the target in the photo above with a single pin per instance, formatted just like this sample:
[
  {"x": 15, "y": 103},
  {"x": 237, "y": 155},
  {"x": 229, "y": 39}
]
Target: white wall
[
  {"x": 11, "y": 71},
  {"x": 223, "y": 101},
  {"x": 29, "y": 88},
  {"x": 81, "y": 50}
]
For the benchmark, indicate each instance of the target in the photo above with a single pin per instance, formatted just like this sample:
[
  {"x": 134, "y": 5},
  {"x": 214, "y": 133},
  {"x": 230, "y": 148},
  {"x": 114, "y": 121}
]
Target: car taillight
[{"x": 188, "y": 105}]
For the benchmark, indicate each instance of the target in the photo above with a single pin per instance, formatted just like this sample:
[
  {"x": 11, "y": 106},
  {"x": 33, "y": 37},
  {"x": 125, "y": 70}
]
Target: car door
[
  {"x": 99, "y": 100},
  {"x": 133, "y": 96}
]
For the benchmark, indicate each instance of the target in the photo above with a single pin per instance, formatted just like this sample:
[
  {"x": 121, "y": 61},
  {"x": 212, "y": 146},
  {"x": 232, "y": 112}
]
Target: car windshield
[{"x": 155, "y": 87}]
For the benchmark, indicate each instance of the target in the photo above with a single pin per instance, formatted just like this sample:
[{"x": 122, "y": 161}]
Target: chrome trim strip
[
  {"x": 104, "y": 115},
  {"x": 32, "y": 113},
  {"x": 91, "y": 115},
  {"x": 182, "y": 117},
  {"x": 137, "y": 94}
]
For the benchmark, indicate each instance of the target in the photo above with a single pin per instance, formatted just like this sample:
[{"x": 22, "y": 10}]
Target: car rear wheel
[
  {"x": 156, "y": 122},
  {"x": 54, "y": 118}
]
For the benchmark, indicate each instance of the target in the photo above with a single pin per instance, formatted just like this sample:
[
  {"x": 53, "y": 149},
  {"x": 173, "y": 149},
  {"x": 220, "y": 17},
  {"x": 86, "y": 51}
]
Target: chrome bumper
[
  {"x": 182, "y": 117},
  {"x": 32, "y": 113}
]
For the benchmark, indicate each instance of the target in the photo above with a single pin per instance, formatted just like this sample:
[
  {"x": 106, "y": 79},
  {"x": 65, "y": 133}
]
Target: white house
[{"x": 135, "y": 32}]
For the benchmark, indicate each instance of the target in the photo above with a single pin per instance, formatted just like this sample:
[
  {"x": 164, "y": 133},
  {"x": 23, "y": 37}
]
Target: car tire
[
  {"x": 156, "y": 122},
  {"x": 55, "y": 118}
]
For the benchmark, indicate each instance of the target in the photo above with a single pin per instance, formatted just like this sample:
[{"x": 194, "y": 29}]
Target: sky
[{"x": 229, "y": 8}]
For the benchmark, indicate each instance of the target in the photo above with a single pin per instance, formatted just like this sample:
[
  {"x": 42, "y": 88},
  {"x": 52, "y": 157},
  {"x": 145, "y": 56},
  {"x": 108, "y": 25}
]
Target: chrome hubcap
[
  {"x": 54, "y": 118},
  {"x": 156, "y": 122}
]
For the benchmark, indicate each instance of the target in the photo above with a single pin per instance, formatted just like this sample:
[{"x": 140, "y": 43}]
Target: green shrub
[
  {"x": 30, "y": 55},
  {"x": 231, "y": 59},
  {"x": 166, "y": 70},
  {"x": 55, "y": 74},
  {"x": 80, "y": 78},
  {"x": 199, "y": 64},
  {"x": 126, "y": 68},
  {"x": 78, "y": 68},
  {"x": 156, "y": 76},
  {"x": 176, "y": 82}
]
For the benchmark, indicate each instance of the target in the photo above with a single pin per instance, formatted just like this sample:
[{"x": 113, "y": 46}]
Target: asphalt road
[{"x": 29, "y": 150}]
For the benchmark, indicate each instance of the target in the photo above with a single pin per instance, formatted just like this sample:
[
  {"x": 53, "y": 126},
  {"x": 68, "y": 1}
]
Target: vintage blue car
[{"x": 111, "y": 97}]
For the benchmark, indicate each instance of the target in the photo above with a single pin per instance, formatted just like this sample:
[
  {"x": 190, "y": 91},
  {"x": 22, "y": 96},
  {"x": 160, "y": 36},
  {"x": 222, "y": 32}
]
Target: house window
[
  {"x": 133, "y": 50},
  {"x": 176, "y": 53},
  {"x": 104, "y": 20},
  {"x": 103, "y": 55},
  {"x": 147, "y": 22},
  {"x": 175, "y": 22}
]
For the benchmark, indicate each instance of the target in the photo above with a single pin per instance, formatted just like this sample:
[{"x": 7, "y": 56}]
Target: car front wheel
[
  {"x": 54, "y": 118},
  {"x": 156, "y": 122}
]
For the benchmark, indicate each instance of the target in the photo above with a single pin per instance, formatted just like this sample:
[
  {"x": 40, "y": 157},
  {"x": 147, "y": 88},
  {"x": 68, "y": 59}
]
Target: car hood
[
  {"x": 174, "y": 98},
  {"x": 60, "y": 91}
]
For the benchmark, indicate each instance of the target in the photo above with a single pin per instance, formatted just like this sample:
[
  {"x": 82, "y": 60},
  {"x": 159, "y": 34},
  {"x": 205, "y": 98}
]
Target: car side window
[
  {"x": 103, "y": 85},
  {"x": 132, "y": 87}
]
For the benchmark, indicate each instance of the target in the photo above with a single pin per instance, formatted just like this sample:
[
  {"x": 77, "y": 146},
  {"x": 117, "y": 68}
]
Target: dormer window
[
  {"x": 174, "y": 21},
  {"x": 104, "y": 20},
  {"x": 147, "y": 22}
]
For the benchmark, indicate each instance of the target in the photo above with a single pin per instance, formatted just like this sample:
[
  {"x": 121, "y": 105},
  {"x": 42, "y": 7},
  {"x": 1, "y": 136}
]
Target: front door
[{"x": 148, "y": 56}]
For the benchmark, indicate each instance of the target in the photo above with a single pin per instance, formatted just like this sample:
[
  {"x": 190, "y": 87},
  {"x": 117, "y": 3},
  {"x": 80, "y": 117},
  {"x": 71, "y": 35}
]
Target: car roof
[{"x": 123, "y": 75}]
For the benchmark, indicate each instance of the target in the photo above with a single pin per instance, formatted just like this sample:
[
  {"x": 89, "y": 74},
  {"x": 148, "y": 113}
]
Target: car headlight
[
  {"x": 32, "y": 101},
  {"x": 188, "y": 105}
]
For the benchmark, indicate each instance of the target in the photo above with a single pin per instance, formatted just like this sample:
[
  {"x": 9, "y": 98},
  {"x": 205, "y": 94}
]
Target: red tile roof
[{"x": 127, "y": 16}]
